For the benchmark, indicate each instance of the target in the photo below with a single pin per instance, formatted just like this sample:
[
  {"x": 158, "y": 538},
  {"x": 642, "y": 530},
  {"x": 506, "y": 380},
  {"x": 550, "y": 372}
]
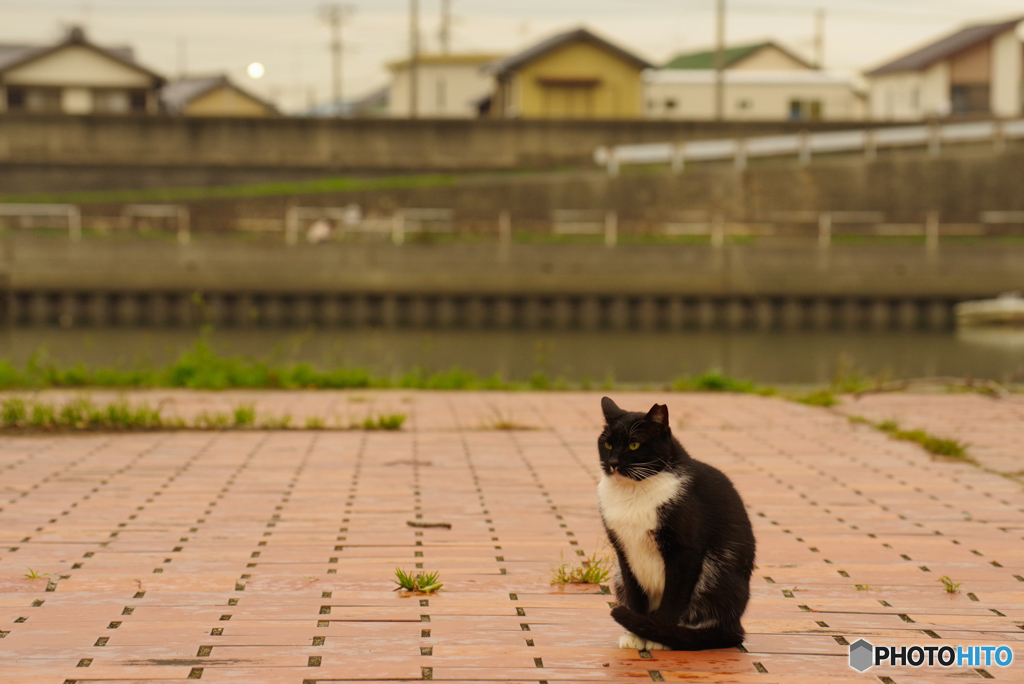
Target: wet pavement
[{"x": 267, "y": 556}]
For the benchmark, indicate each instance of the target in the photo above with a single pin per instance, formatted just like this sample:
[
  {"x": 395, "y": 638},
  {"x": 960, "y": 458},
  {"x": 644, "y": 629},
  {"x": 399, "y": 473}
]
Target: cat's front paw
[
  {"x": 630, "y": 640},
  {"x": 655, "y": 646}
]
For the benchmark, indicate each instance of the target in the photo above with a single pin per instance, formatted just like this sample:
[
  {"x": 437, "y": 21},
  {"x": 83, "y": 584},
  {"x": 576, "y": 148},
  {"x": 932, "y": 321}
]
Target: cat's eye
[
  {"x": 607, "y": 445},
  {"x": 633, "y": 446}
]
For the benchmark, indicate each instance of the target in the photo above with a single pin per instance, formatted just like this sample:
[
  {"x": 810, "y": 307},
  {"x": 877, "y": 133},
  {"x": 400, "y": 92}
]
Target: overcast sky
[{"x": 215, "y": 36}]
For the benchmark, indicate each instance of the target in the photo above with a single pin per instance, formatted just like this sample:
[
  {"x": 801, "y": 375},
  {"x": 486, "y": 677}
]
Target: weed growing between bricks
[{"x": 937, "y": 446}]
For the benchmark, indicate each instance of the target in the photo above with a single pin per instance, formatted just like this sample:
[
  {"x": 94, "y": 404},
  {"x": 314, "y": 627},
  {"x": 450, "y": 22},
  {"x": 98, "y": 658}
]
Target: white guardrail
[{"x": 805, "y": 145}]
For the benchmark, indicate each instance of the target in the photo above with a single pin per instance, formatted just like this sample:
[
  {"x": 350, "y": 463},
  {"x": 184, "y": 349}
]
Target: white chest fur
[{"x": 630, "y": 510}]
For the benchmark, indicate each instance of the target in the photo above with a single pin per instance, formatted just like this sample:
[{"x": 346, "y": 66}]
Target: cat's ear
[
  {"x": 611, "y": 411},
  {"x": 658, "y": 415}
]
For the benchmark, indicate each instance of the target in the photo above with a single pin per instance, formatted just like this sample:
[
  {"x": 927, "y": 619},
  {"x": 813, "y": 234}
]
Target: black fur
[{"x": 708, "y": 521}]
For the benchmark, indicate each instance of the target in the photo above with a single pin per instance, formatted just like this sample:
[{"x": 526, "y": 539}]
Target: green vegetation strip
[
  {"x": 201, "y": 367},
  {"x": 81, "y": 413},
  {"x": 938, "y": 446},
  {"x": 313, "y": 187}
]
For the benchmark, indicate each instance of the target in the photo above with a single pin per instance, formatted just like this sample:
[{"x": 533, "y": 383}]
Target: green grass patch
[
  {"x": 948, "y": 585},
  {"x": 823, "y": 398},
  {"x": 938, "y": 446},
  {"x": 592, "y": 569},
  {"x": 312, "y": 187},
  {"x": 391, "y": 421},
  {"x": 421, "y": 582},
  {"x": 715, "y": 381}
]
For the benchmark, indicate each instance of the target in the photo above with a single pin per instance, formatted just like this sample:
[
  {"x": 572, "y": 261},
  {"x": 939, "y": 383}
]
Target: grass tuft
[
  {"x": 716, "y": 381},
  {"x": 590, "y": 570},
  {"x": 823, "y": 398},
  {"x": 422, "y": 582},
  {"x": 245, "y": 415},
  {"x": 938, "y": 446},
  {"x": 949, "y": 585},
  {"x": 391, "y": 421},
  {"x": 32, "y": 574}
]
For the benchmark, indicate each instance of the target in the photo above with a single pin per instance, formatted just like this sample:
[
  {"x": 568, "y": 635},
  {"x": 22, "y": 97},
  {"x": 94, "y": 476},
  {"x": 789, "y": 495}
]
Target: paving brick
[{"x": 267, "y": 557}]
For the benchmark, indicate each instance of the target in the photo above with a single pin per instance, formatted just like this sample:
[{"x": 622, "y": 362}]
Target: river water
[{"x": 628, "y": 357}]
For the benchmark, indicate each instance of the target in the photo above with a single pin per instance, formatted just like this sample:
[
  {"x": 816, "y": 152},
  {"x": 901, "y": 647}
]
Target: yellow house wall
[
  {"x": 618, "y": 96},
  {"x": 226, "y": 102}
]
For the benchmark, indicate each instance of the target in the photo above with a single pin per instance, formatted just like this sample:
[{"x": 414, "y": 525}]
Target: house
[
  {"x": 976, "y": 70},
  {"x": 761, "y": 56},
  {"x": 448, "y": 86},
  {"x": 573, "y": 75},
  {"x": 212, "y": 96},
  {"x": 762, "y": 81},
  {"x": 75, "y": 76}
]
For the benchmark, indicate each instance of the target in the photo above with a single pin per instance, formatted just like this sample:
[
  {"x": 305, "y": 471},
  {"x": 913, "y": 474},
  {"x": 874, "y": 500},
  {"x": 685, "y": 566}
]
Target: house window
[
  {"x": 110, "y": 101},
  {"x": 138, "y": 102},
  {"x": 744, "y": 104},
  {"x": 16, "y": 99},
  {"x": 34, "y": 100},
  {"x": 970, "y": 99},
  {"x": 804, "y": 110},
  {"x": 670, "y": 104}
]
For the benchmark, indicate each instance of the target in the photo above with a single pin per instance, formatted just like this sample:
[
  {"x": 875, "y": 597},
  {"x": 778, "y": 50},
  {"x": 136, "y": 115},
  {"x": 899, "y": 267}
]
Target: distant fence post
[
  {"x": 824, "y": 230},
  {"x": 74, "y": 223},
  {"x": 505, "y": 228},
  {"x": 805, "y": 148},
  {"x": 398, "y": 227},
  {"x": 613, "y": 162},
  {"x": 611, "y": 229},
  {"x": 741, "y": 154},
  {"x": 184, "y": 226},
  {"x": 934, "y": 139},
  {"x": 678, "y": 158},
  {"x": 291, "y": 225},
  {"x": 998, "y": 137},
  {"x": 718, "y": 230},
  {"x": 931, "y": 232},
  {"x": 870, "y": 145}
]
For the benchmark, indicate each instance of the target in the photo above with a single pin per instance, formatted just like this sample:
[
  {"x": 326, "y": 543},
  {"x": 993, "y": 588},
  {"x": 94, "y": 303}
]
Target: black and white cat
[{"x": 683, "y": 538}]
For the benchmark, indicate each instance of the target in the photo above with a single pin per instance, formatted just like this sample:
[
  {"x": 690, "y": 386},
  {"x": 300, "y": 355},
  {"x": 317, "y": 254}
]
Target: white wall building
[
  {"x": 75, "y": 76},
  {"x": 978, "y": 70},
  {"x": 449, "y": 86},
  {"x": 761, "y": 82},
  {"x": 787, "y": 95}
]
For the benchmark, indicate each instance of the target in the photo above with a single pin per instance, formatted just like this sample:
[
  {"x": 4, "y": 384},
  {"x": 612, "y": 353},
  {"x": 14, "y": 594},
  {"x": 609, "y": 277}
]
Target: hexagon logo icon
[{"x": 862, "y": 655}]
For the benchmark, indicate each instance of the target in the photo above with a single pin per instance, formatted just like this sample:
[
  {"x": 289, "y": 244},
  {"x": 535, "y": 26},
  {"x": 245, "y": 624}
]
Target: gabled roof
[
  {"x": 458, "y": 58},
  {"x": 12, "y": 56},
  {"x": 176, "y": 95},
  {"x": 581, "y": 35},
  {"x": 705, "y": 59},
  {"x": 945, "y": 48}
]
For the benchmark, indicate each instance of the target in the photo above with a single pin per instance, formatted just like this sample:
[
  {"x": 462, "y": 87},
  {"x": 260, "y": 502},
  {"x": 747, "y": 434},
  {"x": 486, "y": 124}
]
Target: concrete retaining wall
[{"x": 115, "y": 283}]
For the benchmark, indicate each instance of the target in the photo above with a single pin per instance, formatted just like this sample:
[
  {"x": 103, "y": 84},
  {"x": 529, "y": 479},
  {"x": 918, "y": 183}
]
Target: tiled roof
[
  {"x": 515, "y": 61},
  {"x": 942, "y": 49}
]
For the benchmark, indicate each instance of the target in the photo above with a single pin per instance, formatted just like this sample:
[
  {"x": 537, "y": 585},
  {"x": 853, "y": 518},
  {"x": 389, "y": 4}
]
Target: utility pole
[
  {"x": 444, "y": 34},
  {"x": 819, "y": 39},
  {"x": 414, "y": 58},
  {"x": 720, "y": 60},
  {"x": 335, "y": 14}
]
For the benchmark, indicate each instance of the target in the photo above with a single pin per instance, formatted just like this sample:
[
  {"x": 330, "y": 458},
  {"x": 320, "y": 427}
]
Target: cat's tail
[{"x": 675, "y": 637}]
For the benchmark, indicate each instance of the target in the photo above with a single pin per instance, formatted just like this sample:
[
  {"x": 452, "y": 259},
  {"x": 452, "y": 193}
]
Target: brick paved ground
[
  {"x": 993, "y": 428},
  {"x": 267, "y": 556}
]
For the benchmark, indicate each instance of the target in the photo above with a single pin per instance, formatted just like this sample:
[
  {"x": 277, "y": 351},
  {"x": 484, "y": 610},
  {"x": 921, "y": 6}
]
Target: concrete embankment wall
[
  {"x": 55, "y": 153},
  {"x": 490, "y": 285}
]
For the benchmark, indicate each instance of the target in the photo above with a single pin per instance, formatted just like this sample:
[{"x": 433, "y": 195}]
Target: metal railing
[
  {"x": 27, "y": 213},
  {"x": 805, "y": 145},
  {"x": 178, "y": 213}
]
